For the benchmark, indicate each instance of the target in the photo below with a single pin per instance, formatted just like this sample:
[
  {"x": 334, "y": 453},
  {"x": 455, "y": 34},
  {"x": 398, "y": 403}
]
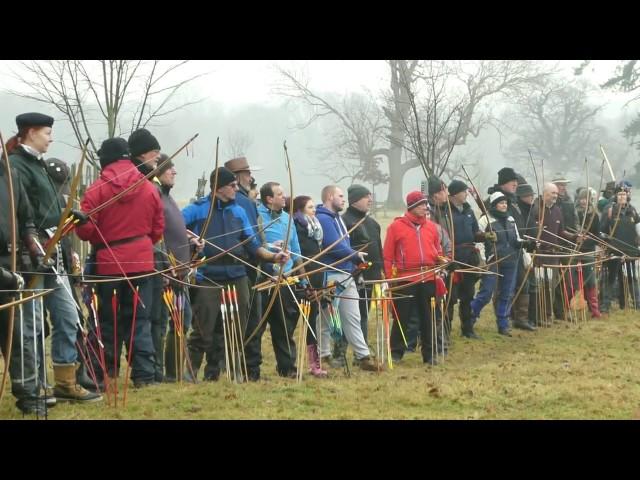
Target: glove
[
  {"x": 491, "y": 237},
  {"x": 12, "y": 280},
  {"x": 529, "y": 245},
  {"x": 452, "y": 267},
  {"x": 80, "y": 216}
]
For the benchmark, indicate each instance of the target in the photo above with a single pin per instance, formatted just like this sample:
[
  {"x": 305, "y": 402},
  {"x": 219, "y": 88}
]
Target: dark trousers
[
  {"x": 206, "y": 313},
  {"x": 462, "y": 293},
  {"x": 253, "y": 349},
  {"x": 115, "y": 334},
  {"x": 282, "y": 320},
  {"x": 421, "y": 293}
]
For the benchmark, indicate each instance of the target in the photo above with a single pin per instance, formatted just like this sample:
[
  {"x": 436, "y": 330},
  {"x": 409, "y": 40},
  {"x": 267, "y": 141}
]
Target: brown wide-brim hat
[{"x": 241, "y": 164}]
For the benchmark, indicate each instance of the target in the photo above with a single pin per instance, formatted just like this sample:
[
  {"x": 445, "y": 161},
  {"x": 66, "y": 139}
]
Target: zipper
[{"x": 420, "y": 244}]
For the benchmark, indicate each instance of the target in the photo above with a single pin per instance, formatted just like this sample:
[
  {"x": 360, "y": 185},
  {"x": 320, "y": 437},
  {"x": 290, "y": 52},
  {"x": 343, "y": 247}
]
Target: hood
[
  {"x": 118, "y": 176},
  {"x": 322, "y": 210}
]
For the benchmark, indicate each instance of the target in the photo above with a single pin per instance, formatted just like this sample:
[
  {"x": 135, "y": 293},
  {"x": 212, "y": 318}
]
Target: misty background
[{"x": 347, "y": 121}]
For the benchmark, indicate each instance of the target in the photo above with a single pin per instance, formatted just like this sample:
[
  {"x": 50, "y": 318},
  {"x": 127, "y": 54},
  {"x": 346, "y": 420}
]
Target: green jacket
[{"x": 45, "y": 199}]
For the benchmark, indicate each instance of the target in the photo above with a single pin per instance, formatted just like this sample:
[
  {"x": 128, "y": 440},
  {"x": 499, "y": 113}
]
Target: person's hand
[
  {"x": 442, "y": 260},
  {"x": 18, "y": 281},
  {"x": 491, "y": 237},
  {"x": 79, "y": 216},
  {"x": 362, "y": 255},
  {"x": 281, "y": 258},
  {"x": 197, "y": 243},
  {"x": 42, "y": 266}
]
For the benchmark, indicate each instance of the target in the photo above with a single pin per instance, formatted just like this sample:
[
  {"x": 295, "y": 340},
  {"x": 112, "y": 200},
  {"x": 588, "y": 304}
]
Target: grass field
[{"x": 562, "y": 372}]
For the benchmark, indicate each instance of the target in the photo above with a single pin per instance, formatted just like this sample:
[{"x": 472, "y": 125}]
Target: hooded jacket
[{"x": 130, "y": 226}]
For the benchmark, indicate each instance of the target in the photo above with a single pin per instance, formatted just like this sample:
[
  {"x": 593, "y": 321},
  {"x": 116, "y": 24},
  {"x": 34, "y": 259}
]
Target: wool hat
[
  {"x": 141, "y": 141},
  {"x": 524, "y": 190},
  {"x": 112, "y": 150},
  {"x": 506, "y": 174},
  {"x": 496, "y": 197},
  {"x": 225, "y": 177},
  {"x": 357, "y": 192},
  {"x": 415, "y": 198}
]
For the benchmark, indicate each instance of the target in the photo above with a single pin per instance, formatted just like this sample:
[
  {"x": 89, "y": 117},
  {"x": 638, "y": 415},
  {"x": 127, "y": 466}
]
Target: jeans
[
  {"x": 505, "y": 286},
  {"x": 63, "y": 314}
]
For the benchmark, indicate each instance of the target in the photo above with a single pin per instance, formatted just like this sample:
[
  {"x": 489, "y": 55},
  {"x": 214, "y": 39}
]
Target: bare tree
[
  {"x": 105, "y": 98},
  {"x": 449, "y": 103},
  {"x": 557, "y": 123},
  {"x": 355, "y": 137},
  {"x": 238, "y": 143}
]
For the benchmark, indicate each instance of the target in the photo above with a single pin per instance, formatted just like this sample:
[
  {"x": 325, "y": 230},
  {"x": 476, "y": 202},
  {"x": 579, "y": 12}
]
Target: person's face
[
  {"x": 245, "y": 179},
  {"x": 420, "y": 210},
  {"x": 364, "y": 204},
  {"x": 459, "y": 198},
  {"x": 510, "y": 187},
  {"x": 621, "y": 198},
  {"x": 527, "y": 199},
  {"x": 551, "y": 196},
  {"x": 562, "y": 188},
  {"x": 338, "y": 201},
  {"x": 39, "y": 138},
  {"x": 441, "y": 197},
  {"x": 277, "y": 201},
  {"x": 168, "y": 177},
  {"x": 502, "y": 206},
  {"x": 150, "y": 158},
  {"x": 582, "y": 202},
  {"x": 228, "y": 192},
  {"x": 309, "y": 209}
]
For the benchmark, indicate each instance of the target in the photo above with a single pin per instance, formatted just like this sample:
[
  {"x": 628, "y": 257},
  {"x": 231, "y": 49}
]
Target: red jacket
[
  {"x": 139, "y": 213},
  {"x": 411, "y": 248}
]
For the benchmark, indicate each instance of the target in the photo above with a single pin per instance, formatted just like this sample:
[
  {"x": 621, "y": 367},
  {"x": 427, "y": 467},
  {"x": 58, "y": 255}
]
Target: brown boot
[
  {"x": 366, "y": 363},
  {"x": 66, "y": 387}
]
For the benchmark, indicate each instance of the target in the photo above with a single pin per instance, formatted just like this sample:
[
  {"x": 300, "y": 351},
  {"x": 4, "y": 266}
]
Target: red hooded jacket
[
  {"x": 136, "y": 219},
  {"x": 411, "y": 247}
]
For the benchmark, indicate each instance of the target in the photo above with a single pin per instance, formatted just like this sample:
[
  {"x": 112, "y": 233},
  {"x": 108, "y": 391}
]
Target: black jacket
[
  {"x": 568, "y": 209},
  {"x": 309, "y": 247},
  {"x": 514, "y": 208},
  {"x": 368, "y": 232},
  {"x": 620, "y": 224},
  {"x": 465, "y": 229},
  {"x": 24, "y": 224}
]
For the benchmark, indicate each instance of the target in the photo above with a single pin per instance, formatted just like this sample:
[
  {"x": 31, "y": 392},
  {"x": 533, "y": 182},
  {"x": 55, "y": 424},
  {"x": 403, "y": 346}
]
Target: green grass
[{"x": 563, "y": 372}]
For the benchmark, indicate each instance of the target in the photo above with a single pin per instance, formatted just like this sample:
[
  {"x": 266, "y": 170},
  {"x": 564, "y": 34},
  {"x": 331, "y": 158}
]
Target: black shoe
[
  {"x": 396, "y": 357},
  {"x": 472, "y": 335},
  {"x": 31, "y": 406},
  {"x": 253, "y": 375},
  {"x": 212, "y": 376},
  {"x": 291, "y": 373},
  {"x": 144, "y": 384},
  {"x": 505, "y": 331},
  {"x": 524, "y": 326},
  {"x": 430, "y": 361}
]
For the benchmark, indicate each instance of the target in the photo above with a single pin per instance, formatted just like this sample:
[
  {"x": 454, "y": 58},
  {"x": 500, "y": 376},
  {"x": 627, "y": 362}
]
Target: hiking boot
[
  {"x": 66, "y": 387},
  {"x": 367, "y": 364},
  {"x": 289, "y": 373},
  {"x": 430, "y": 361},
  {"x": 471, "y": 334},
  {"x": 333, "y": 362},
  {"x": 253, "y": 374}
]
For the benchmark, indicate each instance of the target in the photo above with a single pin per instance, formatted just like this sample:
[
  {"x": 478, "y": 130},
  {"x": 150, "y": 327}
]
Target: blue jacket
[
  {"x": 334, "y": 228},
  {"x": 228, "y": 227},
  {"x": 278, "y": 231}
]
